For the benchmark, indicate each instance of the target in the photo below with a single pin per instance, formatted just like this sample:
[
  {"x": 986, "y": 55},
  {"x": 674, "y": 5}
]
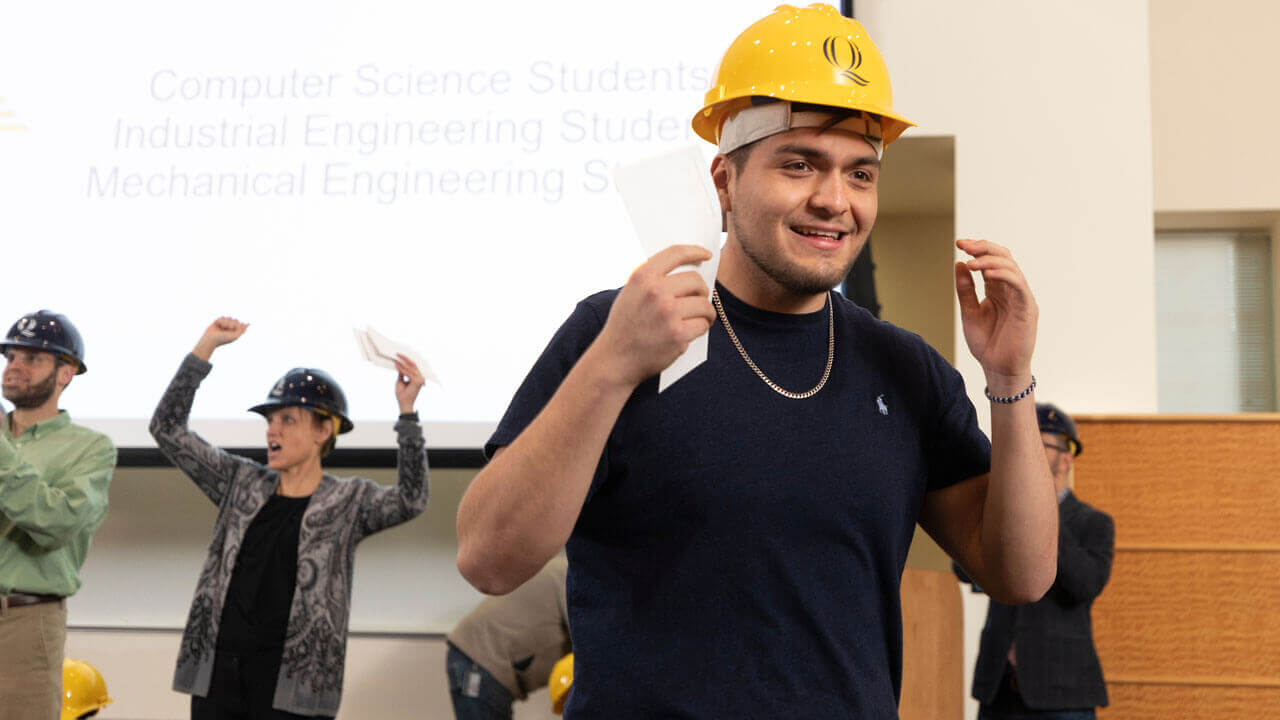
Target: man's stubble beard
[
  {"x": 792, "y": 278},
  {"x": 36, "y": 395}
]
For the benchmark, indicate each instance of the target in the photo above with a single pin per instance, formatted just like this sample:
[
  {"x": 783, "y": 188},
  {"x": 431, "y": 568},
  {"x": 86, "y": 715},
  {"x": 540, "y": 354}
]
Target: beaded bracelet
[{"x": 1012, "y": 398}]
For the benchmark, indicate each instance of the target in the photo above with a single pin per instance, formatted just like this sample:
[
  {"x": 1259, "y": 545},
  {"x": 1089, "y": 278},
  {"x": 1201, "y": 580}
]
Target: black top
[
  {"x": 739, "y": 553},
  {"x": 256, "y": 614}
]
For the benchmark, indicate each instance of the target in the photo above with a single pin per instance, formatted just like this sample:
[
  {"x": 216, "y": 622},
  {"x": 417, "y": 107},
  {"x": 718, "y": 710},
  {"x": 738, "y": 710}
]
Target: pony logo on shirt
[{"x": 884, "y": 409}]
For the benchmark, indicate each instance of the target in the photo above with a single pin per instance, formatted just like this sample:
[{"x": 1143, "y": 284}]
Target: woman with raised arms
[{"x": 266, "y": 634}]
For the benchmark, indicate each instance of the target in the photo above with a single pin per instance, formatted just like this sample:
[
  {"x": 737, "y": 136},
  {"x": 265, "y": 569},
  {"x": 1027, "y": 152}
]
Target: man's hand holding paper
[
  {"x": 657, "y": 314},
  {"x": 671, "y": 203}
]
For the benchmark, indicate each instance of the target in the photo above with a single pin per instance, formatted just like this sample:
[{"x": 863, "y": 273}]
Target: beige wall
[
  {"x": 914, "y": 278},
  {"x": 1214, "y": 105}
]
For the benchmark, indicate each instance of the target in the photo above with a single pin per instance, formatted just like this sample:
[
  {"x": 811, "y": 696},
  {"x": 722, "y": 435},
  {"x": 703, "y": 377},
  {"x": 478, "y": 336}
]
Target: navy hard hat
[
  {"x": 1053, "y": 420},
  {"x": 49, "y": 331},
  {"x": 308, "y": 388}
]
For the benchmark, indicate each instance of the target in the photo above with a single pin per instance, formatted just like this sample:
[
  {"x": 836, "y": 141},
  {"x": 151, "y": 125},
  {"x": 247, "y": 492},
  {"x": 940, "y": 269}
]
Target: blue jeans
[
  {"x": 476, "y": 693},
  {"x": 986, "y": 714}
]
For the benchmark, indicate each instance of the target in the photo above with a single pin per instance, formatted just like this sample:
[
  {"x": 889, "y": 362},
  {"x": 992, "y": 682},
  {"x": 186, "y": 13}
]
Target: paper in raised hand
[
  {"x": 381, "y": 351},
  {"x": 671, "y": 202}
]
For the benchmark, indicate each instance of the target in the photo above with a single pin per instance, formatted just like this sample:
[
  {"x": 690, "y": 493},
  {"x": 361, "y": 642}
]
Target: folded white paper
[
  {"x": 671, "y": 201},
  {"x": 381, "y": 351},
  {"x": 366, "y": 347}
]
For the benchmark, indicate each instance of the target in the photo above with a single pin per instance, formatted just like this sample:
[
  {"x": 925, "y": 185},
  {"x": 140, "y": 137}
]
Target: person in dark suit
[{"x": 1038, "y": 660}]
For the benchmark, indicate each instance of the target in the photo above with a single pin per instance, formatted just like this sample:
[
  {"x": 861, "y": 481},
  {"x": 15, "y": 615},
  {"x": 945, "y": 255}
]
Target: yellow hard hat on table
[{"x": 811, "y": 56}]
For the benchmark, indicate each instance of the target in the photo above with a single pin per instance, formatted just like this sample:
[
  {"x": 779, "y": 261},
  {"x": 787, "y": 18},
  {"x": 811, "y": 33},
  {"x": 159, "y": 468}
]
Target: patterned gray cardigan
[{"x": 342, "y": 512}]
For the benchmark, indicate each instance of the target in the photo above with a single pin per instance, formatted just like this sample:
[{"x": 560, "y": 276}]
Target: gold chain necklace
[{"x": 831, "y": 350}]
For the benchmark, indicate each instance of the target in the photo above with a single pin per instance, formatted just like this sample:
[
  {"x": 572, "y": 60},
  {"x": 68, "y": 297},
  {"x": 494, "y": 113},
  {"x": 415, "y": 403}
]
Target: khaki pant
[{"x": 31, "y": 641}]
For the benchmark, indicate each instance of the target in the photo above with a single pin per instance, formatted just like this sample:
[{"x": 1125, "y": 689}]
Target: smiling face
[
  {"x": 800, "y": 209},
  {"x": 33, "y": 378},
  {"x": 295, "y": 436}
]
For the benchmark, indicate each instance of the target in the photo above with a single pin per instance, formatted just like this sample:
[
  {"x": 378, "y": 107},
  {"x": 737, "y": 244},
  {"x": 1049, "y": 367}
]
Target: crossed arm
[{"x": 52, "y": 511}]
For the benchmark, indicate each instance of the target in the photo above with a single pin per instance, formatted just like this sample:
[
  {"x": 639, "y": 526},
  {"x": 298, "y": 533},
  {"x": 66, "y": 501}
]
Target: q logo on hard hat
[
  {"x": 831, "y": 50},
  {"x": 27, "y": 326}
]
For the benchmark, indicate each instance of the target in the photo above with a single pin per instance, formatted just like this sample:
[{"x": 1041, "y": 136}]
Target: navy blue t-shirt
[{"x": 739, "y": 553}]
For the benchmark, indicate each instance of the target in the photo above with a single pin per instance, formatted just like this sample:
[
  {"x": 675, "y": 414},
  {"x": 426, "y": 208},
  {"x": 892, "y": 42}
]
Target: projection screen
[{"x": 438, "y": 171}]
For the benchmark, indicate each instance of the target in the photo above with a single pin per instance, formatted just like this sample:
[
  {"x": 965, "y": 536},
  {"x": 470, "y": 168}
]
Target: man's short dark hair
[{"x": 738, "y": 156}]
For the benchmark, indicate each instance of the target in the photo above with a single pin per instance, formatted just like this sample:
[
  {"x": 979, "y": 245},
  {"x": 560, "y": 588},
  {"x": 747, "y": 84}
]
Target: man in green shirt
[{"x": 53, "y": 496}]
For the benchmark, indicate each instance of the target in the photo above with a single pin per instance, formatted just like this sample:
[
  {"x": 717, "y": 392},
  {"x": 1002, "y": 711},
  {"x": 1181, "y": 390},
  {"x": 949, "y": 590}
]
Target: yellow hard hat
[
  {"x": 560, "y": 682},
  {"x": 84, "y": 691},
  {"x": 810, "y": 55}
]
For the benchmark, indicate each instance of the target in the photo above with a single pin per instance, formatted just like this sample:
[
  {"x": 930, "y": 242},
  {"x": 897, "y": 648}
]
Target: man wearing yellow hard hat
[{"x": 736, "y": 543}]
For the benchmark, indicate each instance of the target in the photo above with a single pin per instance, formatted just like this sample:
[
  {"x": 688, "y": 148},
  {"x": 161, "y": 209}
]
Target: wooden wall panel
[
  {"x": 1189, "y": 626},
  {"x": 1184, "y": 483},
  {"x": 1185, "y": 702},
  {"x": 1211, "y": 616}
]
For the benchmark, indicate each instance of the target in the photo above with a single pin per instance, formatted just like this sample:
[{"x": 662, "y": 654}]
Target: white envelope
[{"x": 671, "y": 201}]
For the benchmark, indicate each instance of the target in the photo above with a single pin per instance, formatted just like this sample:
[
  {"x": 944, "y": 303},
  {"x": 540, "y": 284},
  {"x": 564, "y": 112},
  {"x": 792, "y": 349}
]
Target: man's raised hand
[
  {"x": 656, "y": 315},
  {"x": 1001, "y": 328}
]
